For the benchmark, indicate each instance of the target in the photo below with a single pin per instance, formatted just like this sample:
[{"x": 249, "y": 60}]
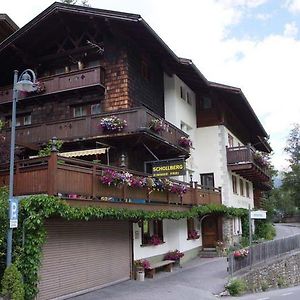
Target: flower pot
[{"x": 140, "y": 274}]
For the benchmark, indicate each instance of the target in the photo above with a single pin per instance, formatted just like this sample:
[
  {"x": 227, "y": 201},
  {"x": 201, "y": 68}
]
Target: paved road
[
  {"x": 199, "y": 280},
  {"x": 285, "y": 230},
  {"x": 292, "y": 293}
]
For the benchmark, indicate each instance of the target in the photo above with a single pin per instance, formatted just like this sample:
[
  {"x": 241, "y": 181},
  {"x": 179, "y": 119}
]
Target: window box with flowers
[
  {"x": 193, "y": 235},
  {"x": 174, "y": 255},
  {"x": 238, "y": 254},
  {"x": 158, "y": 125},
  {"x": 185, "y": 142},
  {"x": 113, "y": 124}
]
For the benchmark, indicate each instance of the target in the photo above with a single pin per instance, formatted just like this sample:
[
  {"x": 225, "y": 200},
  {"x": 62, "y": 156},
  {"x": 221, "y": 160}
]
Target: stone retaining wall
[{"x": 282, "y": 272}]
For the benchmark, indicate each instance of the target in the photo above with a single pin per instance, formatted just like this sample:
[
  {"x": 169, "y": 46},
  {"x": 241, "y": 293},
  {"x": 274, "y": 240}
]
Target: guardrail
[{"x": 79, "y": 179}]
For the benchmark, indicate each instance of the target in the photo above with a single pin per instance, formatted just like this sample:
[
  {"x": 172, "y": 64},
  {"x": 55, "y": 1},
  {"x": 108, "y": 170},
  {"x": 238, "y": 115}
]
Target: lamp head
[{"x": 26, "y": 83}]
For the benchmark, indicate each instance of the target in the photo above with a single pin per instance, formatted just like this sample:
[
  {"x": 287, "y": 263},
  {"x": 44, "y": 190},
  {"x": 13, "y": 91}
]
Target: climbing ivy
[{"x": 34, "y": 210}]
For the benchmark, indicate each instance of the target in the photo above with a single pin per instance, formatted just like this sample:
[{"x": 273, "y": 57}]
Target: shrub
[
  {"x": 236, "y": 287},
  {"x": 264, "y": 230},
  {"x": 12, "y": 285},
  {"x": 264, "y": 286}
]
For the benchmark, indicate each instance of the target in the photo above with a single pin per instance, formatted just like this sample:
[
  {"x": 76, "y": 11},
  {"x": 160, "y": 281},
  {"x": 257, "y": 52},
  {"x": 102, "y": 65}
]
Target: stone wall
[{"x": 282, "y": 272}]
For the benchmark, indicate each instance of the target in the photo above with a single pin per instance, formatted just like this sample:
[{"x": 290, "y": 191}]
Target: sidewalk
[{"x": 199, "y": 279}]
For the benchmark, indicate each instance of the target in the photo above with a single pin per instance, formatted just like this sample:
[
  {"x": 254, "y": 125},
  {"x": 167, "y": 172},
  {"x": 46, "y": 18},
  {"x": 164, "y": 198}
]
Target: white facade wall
[
  {"x": 175, "y": 237},
  {"x": 181, "y": 113}
]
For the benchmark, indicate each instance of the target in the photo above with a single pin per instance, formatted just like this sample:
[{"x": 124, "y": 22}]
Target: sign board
[
  {"x": 13, "y": 212},
  {"x": 258, "y": 214},
  {"x": 168, "y": 168}
]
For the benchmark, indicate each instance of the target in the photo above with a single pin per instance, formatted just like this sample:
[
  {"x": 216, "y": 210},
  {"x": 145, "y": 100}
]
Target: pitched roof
[
  {"x": 134, "y": 23},
  {"x": 7, "y": 26}
]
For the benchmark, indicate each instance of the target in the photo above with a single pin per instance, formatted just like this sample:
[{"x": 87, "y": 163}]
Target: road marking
[
  {"x": 286, "y": 294},
  {"x": 263, "y": 298}
]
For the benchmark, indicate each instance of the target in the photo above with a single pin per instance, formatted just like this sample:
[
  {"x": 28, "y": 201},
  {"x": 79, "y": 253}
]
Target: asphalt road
[
  {"x": 198, "y": 280},
  {"x": 285, "y": 230}
]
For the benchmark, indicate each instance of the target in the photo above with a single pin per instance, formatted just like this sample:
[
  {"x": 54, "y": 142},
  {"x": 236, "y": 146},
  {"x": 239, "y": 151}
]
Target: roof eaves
[{"x": 238, "y": 91}]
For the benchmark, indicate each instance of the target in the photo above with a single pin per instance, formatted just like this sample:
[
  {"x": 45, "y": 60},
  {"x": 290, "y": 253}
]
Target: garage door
[{"x": 83, "y": 255}]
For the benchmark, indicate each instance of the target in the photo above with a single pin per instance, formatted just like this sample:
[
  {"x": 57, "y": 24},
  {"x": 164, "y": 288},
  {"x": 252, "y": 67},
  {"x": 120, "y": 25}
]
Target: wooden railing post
[
  {"x": 52, "y": 173},
  {"x": 220, "y": 190},
  {"x": 94, "y": 182}
]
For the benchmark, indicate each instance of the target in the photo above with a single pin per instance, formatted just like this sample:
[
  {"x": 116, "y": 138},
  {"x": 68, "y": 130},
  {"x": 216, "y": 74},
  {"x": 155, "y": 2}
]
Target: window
[
  {"x": 206, "y": 103},
  {"x": 79, "y": 111},
  {"x": 234, "y": 184},
  {"x": 182, "y": 93},
  {"x": 190, "y": 227},
  {"x": 150, "y": 228},
  {"x": 247, "y": 190},
  {"x": 188, "y": 98},
  {"x": 27, "y": 120},
  {"x": 185, "y": 127},
  {"x": 241, "y": 187},
  {"x": 21, "y": 120},
  {"x": 95, "y": 109},
  {"x": 207, "y": 179},
  {"x": 230, "y": 140}
]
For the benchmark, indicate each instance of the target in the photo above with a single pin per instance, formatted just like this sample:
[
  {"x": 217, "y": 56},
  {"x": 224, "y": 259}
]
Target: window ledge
[
  {"x": 150, "y": 245},
  {"x": 189, "y": 239}
]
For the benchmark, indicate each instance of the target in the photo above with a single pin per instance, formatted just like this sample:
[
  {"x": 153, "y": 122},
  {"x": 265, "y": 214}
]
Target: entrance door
[{"x": 209, "y": 231}]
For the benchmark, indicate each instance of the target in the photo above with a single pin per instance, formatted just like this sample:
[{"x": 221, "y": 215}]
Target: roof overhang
[
  {"x": 239, "y": 103},
  {"x": 134, "y": 24},
  {"x": 7, "y": 26}
]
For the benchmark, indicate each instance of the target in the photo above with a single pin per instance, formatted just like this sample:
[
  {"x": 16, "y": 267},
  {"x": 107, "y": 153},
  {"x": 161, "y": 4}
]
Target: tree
[
  {"x": 73, "y": 2},
  {"x": 293, "y": 145}
]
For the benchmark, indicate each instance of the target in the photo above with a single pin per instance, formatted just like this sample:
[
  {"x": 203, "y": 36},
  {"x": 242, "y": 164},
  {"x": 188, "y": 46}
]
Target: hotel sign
[
  {"x": 258, "y": 214},
  {"x": 168, "y": 168}
]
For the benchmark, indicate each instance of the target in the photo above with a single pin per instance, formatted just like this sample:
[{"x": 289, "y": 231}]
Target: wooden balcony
[
  {"x": 82, "y": 79},
  {"x": 243, "y": 161},
  {"x": 78, "y": 181},
  {"x": 82, "y": 128}
]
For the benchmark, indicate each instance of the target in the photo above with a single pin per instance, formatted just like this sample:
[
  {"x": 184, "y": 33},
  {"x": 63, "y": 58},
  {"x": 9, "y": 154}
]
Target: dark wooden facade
[{"x": 244, "y": 161}]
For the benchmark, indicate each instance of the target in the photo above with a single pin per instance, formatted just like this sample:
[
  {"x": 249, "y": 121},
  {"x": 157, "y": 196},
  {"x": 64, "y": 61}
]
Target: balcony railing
[
  {"x": 80, "y": 180},
  {"x": 138, "y": 120},
  {"x": 60, "y": 83},
  {"x": 244, "y": 160}
]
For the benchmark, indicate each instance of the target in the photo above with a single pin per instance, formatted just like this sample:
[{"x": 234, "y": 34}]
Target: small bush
[
  {"x": 265, "y": 230},
  {"x": 12, "y": 285},
  {"x": 236, "y": 287},
  {"x": 264, "y": 286},
  {"x": 280, "y": 282}
]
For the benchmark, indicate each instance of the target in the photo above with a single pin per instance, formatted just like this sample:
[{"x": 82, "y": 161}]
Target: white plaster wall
[
  {"x": 177, "y": 110},
  {"x": 175, "y": 237}
]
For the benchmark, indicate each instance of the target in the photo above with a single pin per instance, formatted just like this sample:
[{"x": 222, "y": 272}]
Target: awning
[{"x": 83, "y": 152}]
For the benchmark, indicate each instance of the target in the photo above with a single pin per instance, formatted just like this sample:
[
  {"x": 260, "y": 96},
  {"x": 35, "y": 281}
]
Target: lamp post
[{"x": 25, "y": 83}]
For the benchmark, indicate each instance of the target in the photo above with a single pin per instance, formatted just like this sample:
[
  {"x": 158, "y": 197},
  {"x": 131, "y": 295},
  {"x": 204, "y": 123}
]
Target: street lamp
[{"x": 25, "y": 83}]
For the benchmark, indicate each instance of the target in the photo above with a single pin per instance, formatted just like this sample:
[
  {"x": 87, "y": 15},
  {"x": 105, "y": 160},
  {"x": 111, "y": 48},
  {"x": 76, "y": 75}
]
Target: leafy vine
[{"x": 34, "y": 210}]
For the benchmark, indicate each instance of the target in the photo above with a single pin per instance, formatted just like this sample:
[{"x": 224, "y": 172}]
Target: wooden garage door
[{"x": 83, "y": 255}]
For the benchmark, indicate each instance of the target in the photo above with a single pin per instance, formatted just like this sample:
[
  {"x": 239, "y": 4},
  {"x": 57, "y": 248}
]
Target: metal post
[
  {"x": 12, "y": 162},
  {"x": 250, "y": 236}
]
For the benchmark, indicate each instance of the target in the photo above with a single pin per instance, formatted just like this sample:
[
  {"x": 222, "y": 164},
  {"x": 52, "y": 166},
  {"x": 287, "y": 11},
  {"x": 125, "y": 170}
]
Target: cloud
[
  {"x": 290, "y": 30},
  {"x": 245, "y": 3},
  {"x": 263, "y": 16},
  {"x": 293, "y": 5}
]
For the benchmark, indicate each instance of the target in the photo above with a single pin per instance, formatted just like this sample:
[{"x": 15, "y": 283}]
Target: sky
[{"x": 250, "y": 44}]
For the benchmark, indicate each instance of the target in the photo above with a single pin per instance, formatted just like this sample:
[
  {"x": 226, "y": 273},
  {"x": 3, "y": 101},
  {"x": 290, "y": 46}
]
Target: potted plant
[
  {"x": 185, "y": 142},
  {"x": 155, "y": 240},
  {"x": 174, "y": 255},
  {"x": 240, "y": 253},
  {"x": 113, "y": 124},
  {"x": 140, "y": 266},
  {"x": 193, "y": 235},
  {"x": 158, "y": 125}
]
